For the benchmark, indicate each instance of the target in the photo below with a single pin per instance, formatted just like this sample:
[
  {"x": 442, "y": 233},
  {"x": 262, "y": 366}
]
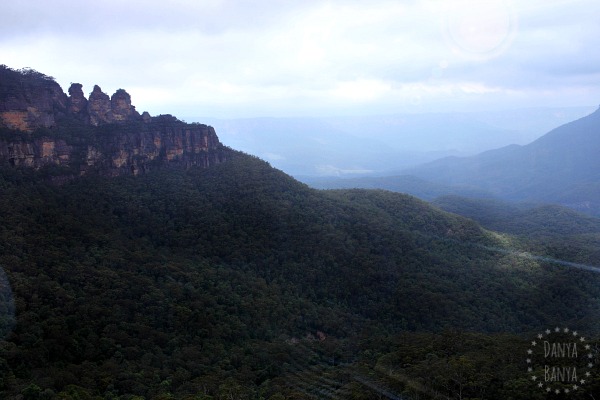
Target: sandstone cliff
[
  {"x": 29, "y": 100},
  {"x": 41, "y": 127}
]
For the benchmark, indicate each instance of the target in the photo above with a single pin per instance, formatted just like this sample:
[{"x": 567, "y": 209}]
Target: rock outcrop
[
  {"x": 29, "y": 100},
  {"x": 99, "y": 107},
  {"x": 120, "y": 105},
  {"x": 77, "y": 103},
  {"x": 40, "y": 126}
]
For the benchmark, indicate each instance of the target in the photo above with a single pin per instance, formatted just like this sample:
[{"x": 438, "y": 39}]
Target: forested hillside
[
  {"x": 552, "y": 230},
  {"x": 237, "y": 281}
]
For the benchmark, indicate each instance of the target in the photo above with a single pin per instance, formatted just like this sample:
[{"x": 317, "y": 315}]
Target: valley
[{"x": 210, "y": 274}]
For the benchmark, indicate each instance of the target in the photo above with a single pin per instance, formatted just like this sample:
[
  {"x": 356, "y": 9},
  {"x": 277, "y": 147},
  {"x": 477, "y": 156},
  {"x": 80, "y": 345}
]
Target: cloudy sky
[{"x": 239, "y": 58}]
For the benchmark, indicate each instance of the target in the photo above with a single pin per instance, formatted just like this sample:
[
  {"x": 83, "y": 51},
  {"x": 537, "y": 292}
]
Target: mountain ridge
[
  {"x": 540, "y": 170},
  {"x": 383, "y": 144},
  {"x": 561, "y": 167},
  {"x": 68, "y": 136}
]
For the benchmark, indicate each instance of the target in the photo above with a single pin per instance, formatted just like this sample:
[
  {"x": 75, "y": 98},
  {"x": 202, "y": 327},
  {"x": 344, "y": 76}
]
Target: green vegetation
[
  {"x": 551, "y": 230},
  {"x": 527, "y": 219},
  {"x": 26, "y": 79},
  {"x": 238, "y": 282}
]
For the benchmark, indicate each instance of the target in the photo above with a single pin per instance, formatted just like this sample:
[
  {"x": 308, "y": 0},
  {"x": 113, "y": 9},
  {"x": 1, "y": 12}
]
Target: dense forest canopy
[
  {"x": 237, "y": 281},
  {"x": 144, "y": 259}
]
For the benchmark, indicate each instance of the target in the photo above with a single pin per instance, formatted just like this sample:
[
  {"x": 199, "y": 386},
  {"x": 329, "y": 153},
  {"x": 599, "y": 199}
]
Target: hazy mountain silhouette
[
  {"x": 366, "y": 145},
  {"x": 560, "y": 167}
]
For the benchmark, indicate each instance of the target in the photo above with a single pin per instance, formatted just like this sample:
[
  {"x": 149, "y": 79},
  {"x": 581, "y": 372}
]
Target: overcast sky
[{"x": 238, "y": 58}]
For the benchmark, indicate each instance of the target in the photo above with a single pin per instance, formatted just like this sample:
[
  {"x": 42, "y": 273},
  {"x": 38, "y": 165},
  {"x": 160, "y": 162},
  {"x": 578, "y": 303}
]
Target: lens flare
[{"x": 481, "y": 29}]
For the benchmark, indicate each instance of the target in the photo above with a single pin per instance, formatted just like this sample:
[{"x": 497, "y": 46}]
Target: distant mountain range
[
  {"x": 560, "y": 167},
  {"x": 378, "y": 145},
  {"x": 322, "y": 147}
]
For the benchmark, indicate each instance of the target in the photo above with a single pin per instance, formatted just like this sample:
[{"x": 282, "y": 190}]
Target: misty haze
[{"x": 208, "y": 200}]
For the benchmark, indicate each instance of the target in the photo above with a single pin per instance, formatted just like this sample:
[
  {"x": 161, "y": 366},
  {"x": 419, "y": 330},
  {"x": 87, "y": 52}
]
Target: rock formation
[
  {"x": 41, "y": 127},
  {"x": 120, "y": 105},
  {"x": 77, "y": 103},
  {"x": 99, "y": 107},
  {"x": 29, "y": 100}
]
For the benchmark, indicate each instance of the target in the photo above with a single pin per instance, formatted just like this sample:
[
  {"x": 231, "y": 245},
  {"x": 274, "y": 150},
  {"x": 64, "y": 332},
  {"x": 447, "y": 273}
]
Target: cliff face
[
  {"x": 29, "y": 100},
  {"x": 40, "y": 126}
]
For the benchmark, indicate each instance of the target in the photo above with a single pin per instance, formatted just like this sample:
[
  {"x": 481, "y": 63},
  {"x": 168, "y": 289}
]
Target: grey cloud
[
  {"x": 93, "y": 18},
  {"x": 252, "y": 51}
]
